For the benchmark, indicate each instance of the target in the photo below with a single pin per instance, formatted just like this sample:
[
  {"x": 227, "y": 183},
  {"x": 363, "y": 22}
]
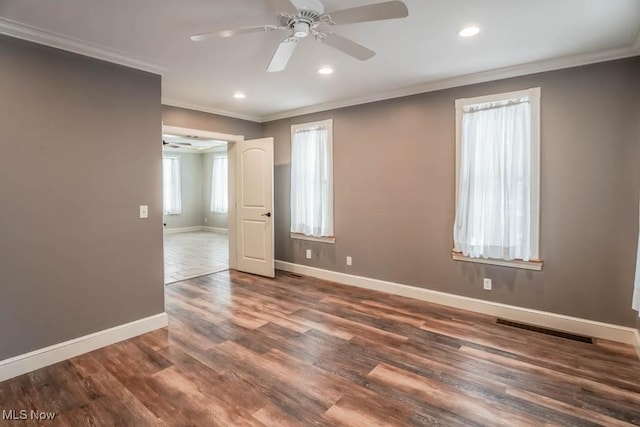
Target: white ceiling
[{"x": 415, "y": 54}]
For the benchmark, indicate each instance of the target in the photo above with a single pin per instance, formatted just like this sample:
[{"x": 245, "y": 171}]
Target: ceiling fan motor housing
[{"x": 302, "y": 23}]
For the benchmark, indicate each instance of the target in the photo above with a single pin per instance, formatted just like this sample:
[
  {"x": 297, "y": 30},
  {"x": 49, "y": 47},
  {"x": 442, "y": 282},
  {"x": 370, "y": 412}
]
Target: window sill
[
  {"x": 300, "y": 236},
  {"x": 525, "y": 265}
]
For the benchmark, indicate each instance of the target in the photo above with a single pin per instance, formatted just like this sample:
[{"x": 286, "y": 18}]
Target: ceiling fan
[
  {"x": 176, "y": 144},
  {"x": 307, "y": 17}
]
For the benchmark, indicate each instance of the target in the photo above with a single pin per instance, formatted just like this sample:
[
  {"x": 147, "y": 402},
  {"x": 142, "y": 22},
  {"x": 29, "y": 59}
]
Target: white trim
[
  {"x": 215, "y": 230},
  {"x": 534, "y": 317},
  {"x": 182, "y": 229},
  {"x": 174, "y": 103},
  {"x": 206, "y": 273},
  {"x": 196, "y": 228},
  {"x": 515, "y": 263},
  {"x": 37, "y": 359},
  {"x": 469, "y": 79},
  {"x": 301, "y": 236},
  {"x": 59, "y": 41}
]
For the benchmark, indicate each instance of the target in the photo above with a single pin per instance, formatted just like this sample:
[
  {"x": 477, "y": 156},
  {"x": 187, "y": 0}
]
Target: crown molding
[
  {"x": 469, "y": 79},
  {"x": 48, "y": 38},
  {"x": 204, "y": 109},
  {"x": 59, "y": 41}
]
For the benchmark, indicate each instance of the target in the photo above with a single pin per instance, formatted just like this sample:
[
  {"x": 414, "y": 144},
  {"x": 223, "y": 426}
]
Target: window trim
[
  {"x": 300, "y": 236},
  {"x": 328, "y": 123},
  {"x": 534, "y": 94}
]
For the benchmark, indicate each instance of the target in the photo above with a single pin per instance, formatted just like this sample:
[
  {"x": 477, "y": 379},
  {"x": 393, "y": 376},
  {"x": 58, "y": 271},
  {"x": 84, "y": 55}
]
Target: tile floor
[{"x": 194, "y": 254}]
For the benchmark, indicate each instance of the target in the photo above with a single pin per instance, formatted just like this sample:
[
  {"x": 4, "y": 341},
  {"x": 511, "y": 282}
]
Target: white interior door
[{"x": 254, "y": 201}]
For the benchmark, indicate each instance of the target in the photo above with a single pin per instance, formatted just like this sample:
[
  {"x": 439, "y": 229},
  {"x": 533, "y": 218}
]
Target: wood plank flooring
[{"x": 289, "y": 351}]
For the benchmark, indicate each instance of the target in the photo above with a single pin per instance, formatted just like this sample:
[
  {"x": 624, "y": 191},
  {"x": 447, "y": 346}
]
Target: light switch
[{"x": 144, "y": 211}]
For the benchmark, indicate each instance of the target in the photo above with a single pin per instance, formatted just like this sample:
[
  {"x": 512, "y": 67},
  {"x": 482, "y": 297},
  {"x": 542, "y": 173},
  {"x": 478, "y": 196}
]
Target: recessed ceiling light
[
  {"x": 469, "y": 31},
  {"x": 325, "y": 71},
  {"x": 239, "y": 95}
]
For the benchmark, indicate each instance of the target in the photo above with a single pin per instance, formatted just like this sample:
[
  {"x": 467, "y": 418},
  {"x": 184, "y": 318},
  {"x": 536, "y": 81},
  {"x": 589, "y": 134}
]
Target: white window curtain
[
  {"x": 494, "y": 215},
  {"x": 312, "y": 179},
  {"x": 219, "y": 185},
  {"x": 636, "y": 284},
  {"x": 171, "y": 186}
]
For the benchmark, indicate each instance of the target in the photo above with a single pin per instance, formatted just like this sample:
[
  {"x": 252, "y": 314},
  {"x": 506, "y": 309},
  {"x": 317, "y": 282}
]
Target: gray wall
[
  {"x": 80, "y": 143},
  {"x": 394, "y": 193},
  {"x": 191, "y": 183},
  {"x": 212, "y": 219}
]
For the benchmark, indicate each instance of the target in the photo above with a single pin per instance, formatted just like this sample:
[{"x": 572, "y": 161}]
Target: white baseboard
[
  {"x": 195, "y": 228},
  {"x": 525, "y": 315},
  {"x": 215, "y": 229},
  {"x": 182, "y": 230},
  {"x": 37, "y": 359}
]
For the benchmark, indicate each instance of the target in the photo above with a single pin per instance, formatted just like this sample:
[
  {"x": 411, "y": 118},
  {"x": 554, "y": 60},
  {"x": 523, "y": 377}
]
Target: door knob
[{"x": 268, "y": 215}]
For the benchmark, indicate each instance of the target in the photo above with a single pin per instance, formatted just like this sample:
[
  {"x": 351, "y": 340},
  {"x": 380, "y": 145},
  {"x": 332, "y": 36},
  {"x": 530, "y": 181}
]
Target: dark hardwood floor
[{"x": 244, "y": 350}]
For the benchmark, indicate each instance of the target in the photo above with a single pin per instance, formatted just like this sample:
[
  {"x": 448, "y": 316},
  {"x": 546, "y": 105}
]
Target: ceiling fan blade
[
  {"x": 372, "y": 12},
  {"x": 284, "y": 6},
  {"x": 229, "y": 33},
  {"x": 347, "y": 46},
  {"x": 282, "y": 55}
]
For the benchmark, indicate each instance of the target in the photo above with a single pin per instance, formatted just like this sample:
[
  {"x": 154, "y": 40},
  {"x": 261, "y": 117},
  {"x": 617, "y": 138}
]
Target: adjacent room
[
  {"x": 320, "y": 212},
  {"x": 195, "y": 206}
]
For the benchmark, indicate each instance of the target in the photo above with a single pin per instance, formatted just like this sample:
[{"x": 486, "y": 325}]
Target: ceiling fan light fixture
[
  {"x": 469, "y": 31},
  {"x": 301, "y": 29},
  {"x": 325, "y": 71},
  {"x": 239, "y": 95}
]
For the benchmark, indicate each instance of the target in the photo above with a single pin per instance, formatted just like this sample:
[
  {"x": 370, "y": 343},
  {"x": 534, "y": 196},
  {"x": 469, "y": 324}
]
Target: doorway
[
  {"x": 249, "y": 191},
  {"x": 195, "y": 203}
]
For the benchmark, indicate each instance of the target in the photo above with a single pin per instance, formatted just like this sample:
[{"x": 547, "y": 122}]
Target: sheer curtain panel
[
  {"x": 312, "y": 179},
  {"x": 496, "y": 206},
  {"x": 171, "y": 186},
  {"x": 219, "y": 185}
]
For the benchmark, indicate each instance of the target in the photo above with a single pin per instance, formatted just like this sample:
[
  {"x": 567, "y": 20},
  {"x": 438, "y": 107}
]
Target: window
[
  {"x": 219, "y": 186},
  {"x": 171, "y": 186},
  {"x": 312, "y": 181},
  {"x": 497, "y": 179}
]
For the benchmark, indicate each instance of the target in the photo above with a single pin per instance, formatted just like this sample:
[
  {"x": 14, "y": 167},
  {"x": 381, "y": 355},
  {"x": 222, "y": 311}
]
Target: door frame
[{"x": 231, "y": 179}]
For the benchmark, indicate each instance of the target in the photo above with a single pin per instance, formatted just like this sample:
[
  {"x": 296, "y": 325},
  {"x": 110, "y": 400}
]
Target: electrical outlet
[
  {"x": 205, "y": 220},
  {"x": 144, "y": 211},
  {"x": 308, "y": 253},
  {"x": 349, "y": 261},
  {"x": 487, "y": 284}
]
